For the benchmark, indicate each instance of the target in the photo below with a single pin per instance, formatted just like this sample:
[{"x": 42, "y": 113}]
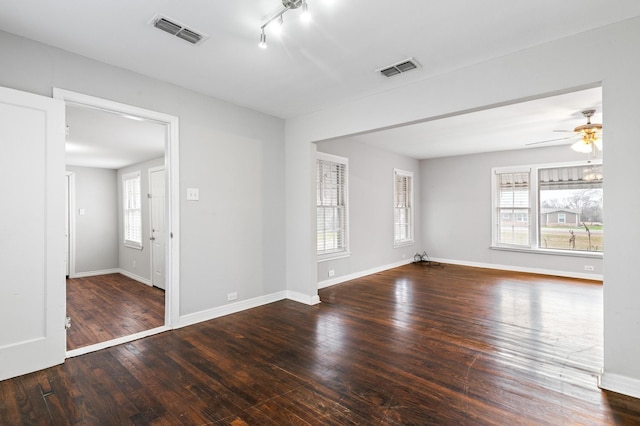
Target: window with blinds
[
  {"x": 570, "y": 204},
  {"x": 402, "y": 207},
  {"x": 513, "y": 209},
  {"x": 132, "y": 210},
  {"x": 332, "y": 205}
]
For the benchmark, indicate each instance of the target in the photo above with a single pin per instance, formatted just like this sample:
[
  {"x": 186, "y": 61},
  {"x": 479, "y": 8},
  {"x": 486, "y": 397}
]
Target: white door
[
  {"x": 32, "y": 233},
  {"x": 157, "y": 194}
]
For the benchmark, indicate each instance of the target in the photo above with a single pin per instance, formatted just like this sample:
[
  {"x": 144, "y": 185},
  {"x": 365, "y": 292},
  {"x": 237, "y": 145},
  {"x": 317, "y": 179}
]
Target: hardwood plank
[
  {"x": 413, "y": 345},
  {"x": 105, "y": 307}
]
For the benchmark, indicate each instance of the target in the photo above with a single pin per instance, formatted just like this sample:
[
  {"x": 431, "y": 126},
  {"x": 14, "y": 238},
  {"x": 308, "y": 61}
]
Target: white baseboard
[
  {"x": 231, "y": 308},
  {"x": 302, "y": 298},
  {"x": 94, "y": 273},
  {"x": 117, "y": 341},
  {"x": 136, "y": 277},
  {"x": 343, "y": 278},
  {"x": 619, "y": 384},
  {"x": 596, "y": 277},
  {"x": 111, "y": 271}
]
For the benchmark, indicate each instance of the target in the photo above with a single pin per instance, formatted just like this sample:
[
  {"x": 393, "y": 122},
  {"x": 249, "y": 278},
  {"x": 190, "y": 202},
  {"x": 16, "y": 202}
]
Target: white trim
[
  {"x": 620, "y": 384},
  {"x": 135, "y": 277},
  {"x": 172, "y": 164},
  {"x": 343, "y": 278},
  {"x": 302, "y": 298},
  {"x": 114, "y": 342},
  {"x": 231, "y": 308},
  {"x": 112, "y": 271},
  {"x": 95, "y": 273},
  {"x": 71, "y": 181},
  {"x": 594, "y": 277}
]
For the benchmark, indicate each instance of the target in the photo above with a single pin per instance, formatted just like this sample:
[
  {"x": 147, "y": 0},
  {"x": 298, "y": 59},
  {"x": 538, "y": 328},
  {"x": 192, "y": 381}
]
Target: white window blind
[
  {"x": 513, "y": 209},
  {"x": 132, "y": 211},
  {"x": 402, "y": 207},
  {"x": 332, "y": 205}
]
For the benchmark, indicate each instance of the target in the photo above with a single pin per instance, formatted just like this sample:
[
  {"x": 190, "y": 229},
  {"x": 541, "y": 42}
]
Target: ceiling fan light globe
[
  {"x": 582, "y": 146},
  {"x": 598, "y": 143}
]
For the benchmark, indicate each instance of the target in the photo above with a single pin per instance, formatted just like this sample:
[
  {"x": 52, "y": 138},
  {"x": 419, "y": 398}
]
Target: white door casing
[
  {"x": 157, "y": 232},
  {"x": 32, "y": 233}
]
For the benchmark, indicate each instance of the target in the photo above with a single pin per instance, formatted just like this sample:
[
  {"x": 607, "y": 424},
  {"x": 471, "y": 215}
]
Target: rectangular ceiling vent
[
  {"x": 400, "y": 67},
  {"x": 177, "y": 29}
]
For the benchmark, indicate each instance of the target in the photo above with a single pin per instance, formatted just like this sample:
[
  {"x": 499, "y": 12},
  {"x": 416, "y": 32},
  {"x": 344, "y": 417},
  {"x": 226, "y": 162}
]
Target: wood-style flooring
[
  {"x": 105, "y": 307},
  {"x": 410, "y": 346}
]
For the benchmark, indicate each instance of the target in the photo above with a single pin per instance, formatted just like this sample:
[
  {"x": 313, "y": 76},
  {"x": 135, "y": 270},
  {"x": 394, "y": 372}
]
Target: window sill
[
  {"x": 133, "y": 245},
  {"x": 551, "y": 252},
  {"x": 333, "y": 256},
  {"x": 403, "y": 244}
]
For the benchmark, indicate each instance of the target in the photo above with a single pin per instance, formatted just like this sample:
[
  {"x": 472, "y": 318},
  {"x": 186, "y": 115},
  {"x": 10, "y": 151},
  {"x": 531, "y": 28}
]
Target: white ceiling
[
  {"x": 331, "y": 61},
  {"x": 107, "y": 140}
]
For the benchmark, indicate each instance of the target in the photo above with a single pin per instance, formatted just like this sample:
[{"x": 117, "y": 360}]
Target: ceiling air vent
[
  {"x": 400, "y": 67},
  {"x": 177, "y": 29}
]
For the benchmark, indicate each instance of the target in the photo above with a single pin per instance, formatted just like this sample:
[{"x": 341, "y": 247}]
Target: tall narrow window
[
  {"x": 332, "y": 206},
  {"x": 402, "y": 207},
  {"x": 131, "y": 210},
  {"x": 513, "y": 209}
]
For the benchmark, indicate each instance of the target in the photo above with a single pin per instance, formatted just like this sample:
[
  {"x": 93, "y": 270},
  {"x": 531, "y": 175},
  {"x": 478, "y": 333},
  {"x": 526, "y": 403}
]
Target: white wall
[
  {"x": 546, "y": 69},
  {"x": 232, "y": 240},
  {"x": 456, "y": 206},
  {"x": 135, "y": 262},
  {"x": 371, "y": 211},
  {"x": 96, "y": 231}
]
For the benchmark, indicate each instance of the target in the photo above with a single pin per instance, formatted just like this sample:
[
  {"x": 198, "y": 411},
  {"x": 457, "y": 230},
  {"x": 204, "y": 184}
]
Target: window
[
  {"x": 132, "y": 211},
  {"x": 512, "y": 206},
  {"x": 332, "y": 206},
  {"x": 570, "y": 199},
  {"x": 557, "y": 208},
  {"x": 402, "y": 207}
]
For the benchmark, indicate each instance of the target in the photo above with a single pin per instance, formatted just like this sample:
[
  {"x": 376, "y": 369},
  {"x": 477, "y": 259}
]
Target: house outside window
[
  {"x": 563, "y": 205},
  {"x": 402, "y": 207},
  {"x": 132, "y": 210},
  {"x": 332, "y": 212}
]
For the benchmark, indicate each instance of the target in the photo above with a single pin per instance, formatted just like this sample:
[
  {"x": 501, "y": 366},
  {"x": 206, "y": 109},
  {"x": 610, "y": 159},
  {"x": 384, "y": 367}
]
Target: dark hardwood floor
[
  {"x": 413, "y": 345},
  {"x": 105, "y": 307}
]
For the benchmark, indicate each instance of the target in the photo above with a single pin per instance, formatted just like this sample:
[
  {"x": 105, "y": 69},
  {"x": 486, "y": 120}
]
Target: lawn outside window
[{"x": 551, "y": 208}]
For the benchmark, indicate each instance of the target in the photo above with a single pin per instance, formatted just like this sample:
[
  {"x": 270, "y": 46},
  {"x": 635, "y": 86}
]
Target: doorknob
[{"x": 152, "y": 238}]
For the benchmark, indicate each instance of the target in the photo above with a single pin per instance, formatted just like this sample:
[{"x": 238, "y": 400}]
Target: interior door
[
  {"x": 157, "y": 192},
  {"x": 32, "y": 229}
]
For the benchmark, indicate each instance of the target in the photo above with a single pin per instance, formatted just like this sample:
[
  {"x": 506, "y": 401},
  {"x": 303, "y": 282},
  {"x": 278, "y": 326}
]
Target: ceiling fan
[{"x": 589, "y": 135}]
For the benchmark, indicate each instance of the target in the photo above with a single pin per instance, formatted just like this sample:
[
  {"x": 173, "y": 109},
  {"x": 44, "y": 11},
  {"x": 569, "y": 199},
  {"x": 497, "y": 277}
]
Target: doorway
[{"x": 154, "y": 262}]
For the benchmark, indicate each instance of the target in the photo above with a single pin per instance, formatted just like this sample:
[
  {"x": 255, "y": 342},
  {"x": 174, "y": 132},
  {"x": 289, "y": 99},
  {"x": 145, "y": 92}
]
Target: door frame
[
  {"x": 71, "y": 223},
  {"x": 172, "y": 207}
]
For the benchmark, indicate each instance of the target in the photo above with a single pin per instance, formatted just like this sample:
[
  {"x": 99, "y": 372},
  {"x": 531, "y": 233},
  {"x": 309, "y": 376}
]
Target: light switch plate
[{"x": 193, "y": 194}]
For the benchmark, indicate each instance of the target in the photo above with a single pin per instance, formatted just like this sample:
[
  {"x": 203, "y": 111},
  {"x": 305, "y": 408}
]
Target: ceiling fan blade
[{"x": 549, "y": 140}]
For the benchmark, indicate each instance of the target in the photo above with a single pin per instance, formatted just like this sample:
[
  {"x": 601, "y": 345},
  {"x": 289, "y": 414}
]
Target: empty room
[{"x": 367, "y": 213}]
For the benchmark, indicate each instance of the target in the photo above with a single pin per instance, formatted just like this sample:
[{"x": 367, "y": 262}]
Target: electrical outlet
[
  {"x": 589, "y": 268},
  {"x": 232, "y": 296},
  {"x": 331, "y": 272}
]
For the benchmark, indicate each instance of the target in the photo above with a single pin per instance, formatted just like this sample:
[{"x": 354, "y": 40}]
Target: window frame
[
  {"x": 534, "y": 216},
  {"x": 344, "y": 250},
  {"x": 128, "y": 212},
  {"x": 400, "y": 242}
]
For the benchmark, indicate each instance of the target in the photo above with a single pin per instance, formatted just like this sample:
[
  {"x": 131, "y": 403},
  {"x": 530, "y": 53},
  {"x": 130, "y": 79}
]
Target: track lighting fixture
[
  {"x": 263, "y": 40},
  {"x": 277, "y": 17}
]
